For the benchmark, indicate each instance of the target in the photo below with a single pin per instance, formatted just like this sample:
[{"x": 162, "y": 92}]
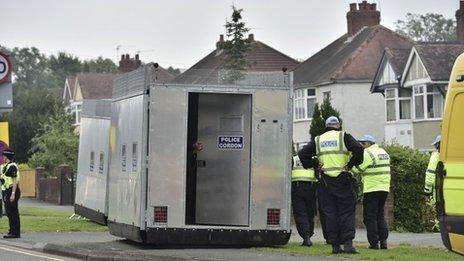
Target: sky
[{"x": 179, "y": 33}]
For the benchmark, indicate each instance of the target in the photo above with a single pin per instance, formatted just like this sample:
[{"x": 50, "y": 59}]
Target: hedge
[{"x": 411, "y": 213}]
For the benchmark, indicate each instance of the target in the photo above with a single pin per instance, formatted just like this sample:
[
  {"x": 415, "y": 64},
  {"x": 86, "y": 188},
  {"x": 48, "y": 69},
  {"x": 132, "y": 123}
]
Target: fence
[
  {"x": 27, "y": 183},
  {"x": 58, "y": 189}
]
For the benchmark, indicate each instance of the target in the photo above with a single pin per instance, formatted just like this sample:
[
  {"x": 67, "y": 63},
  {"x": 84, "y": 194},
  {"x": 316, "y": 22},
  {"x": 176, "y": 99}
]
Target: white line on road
[{"x": 30, "y": 254}]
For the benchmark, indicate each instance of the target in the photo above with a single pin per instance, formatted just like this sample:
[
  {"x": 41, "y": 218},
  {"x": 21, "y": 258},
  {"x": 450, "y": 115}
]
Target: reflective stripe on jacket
[
  {"x": 375, "y": 169},
  {"x": 332, "y": 152},
  {"x": 9, "y": 180},
  {"x": 301, "y": 174},
  {"x": 431, "y": 171}
]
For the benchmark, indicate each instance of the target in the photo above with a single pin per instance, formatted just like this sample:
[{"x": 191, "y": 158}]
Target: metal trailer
[
  {"x": 93, "y": 161},
  {"x": 235, "y": 191}
]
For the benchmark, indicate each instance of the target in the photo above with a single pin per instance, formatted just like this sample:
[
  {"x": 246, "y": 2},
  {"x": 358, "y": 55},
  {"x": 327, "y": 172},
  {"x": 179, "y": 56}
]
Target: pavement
[{"x": 103, "y": 246}]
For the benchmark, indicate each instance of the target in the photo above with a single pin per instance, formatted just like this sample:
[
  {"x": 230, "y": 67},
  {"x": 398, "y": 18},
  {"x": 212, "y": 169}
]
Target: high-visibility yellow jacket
[
  {"x": 332, "y": 152},
  {"x": 431, "y": 172},
  {"x": 301, "y": 174},
  {"x": 375, "y": 170},
  {"x": 8, "y": 180}
]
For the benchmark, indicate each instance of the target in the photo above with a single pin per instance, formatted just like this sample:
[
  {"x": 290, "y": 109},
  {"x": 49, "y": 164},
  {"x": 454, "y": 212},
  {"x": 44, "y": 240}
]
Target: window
[
  {"x": 123, "y": 157},
  {"x": 428, "y": 102},
  {"x": 76, "y": 110},
  {"x": 92, "y": 161},
  {"x": 305, "y": 101},
  {"x": 390, "y": 98},
  {"x": 102, "y": 163},
  {"x": 326, "y": 95},
  {"x": 434, "y": 102},
  {"x": 134, "y": 157},
  {"x": 419, "y": 102},
  {"x": 404, "y": 103}
]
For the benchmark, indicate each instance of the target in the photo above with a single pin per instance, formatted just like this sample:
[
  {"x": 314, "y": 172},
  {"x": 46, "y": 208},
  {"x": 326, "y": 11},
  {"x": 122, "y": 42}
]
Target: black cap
[{"x": 8, "y": 153}]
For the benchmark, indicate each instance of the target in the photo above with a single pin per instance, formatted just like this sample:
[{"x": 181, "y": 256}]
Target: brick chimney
[
  {"x": 251, "y": 38},
  {"x": 365, "y": 15},
  {"x": 127, "y": 64},
  {"x": 460, "y": 22},
  {"x": 220, "y": 43}
]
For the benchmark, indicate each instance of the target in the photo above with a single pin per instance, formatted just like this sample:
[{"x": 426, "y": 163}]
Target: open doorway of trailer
[{"x": 218, "y": 159}]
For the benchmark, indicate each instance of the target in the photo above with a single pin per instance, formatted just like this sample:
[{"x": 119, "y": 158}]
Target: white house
[
  {"x": 415, "y": 90},
  {"x": 344, "y": 71}
]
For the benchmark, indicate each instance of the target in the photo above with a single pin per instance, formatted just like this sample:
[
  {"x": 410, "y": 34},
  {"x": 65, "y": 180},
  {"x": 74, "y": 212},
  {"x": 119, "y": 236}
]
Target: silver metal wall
[
  {"x": 92, "y": 174},
  {"x": 225, "y": 174},
  {"x": 96, "y": 108},
  {"x": 127, "y": 166},
  {"x": 271, "y": 152}
]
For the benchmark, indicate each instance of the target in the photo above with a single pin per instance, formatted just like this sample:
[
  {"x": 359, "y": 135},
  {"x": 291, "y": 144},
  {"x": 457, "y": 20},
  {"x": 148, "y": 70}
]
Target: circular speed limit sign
[{"x": 5, "y": 67}]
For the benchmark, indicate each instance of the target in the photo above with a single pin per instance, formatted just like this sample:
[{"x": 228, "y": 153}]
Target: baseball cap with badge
[
  {"x": 367, "y": 138},
  {"x": 332, "y": 120}
]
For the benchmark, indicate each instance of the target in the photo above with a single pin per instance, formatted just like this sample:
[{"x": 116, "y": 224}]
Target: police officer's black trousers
[
  {"x": 304, "y": 206},
  {"x": 374, "y": 217},
  {"x": 338, "y": 203},
  {"x": 12, "y": 212}
]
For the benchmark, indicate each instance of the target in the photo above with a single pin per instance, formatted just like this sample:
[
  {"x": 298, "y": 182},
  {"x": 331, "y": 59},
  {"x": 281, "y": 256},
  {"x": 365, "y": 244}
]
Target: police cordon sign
[
  {"x": 230, "y": 142},
  {"x": 5, "y": 68}
]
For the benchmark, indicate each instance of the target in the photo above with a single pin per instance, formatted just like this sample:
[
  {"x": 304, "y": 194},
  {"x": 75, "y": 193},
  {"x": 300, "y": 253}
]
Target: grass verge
[
  {"x": 46, "y": 220},
  {"x": 399, "y": 252}
]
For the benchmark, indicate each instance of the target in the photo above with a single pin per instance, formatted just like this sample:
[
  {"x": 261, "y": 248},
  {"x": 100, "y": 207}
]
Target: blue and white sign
[{"x": 230, "y": 142}]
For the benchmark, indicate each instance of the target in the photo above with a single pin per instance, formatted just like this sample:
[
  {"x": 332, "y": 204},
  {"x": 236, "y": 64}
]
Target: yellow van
[{"x": 450, "y": 200}]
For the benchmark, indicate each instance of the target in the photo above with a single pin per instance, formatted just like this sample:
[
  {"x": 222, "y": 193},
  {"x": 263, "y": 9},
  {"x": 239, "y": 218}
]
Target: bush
[{"x": 411, "y": 213}]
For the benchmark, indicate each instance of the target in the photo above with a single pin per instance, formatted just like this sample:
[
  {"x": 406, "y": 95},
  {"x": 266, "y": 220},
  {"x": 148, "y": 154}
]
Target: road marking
[{"x": 30, "y": 254}]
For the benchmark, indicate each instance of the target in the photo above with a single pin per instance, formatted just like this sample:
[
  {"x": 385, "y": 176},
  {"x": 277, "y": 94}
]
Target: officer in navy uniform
[
  {"x": 304, "y": 184},
  {"x": 337, "y": 152},
  {"x": 11, "y": 193}
]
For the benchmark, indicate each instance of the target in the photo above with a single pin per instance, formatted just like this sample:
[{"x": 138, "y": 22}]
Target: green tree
[
  {"x": 235, "y": 47},
  {"x": 56, "y": 142},
  {"x": 326, "y": 110},
  {"x": 63, "y": 65},
  {"x": 31, "y": 108},
  {"x": 99, "y": 65},
  {"x": 430, "y": 27},
  {"x": 31, "y": 70}
]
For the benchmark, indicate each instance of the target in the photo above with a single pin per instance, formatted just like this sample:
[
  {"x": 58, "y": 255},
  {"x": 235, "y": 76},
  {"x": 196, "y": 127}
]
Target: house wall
[
  {"x": 361, "y": 111},
  {"x": 425, "y": 133},
  {"x": 400, "y": 133}
]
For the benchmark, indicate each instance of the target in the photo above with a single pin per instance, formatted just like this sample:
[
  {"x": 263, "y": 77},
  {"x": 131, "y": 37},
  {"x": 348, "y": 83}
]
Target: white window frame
[
  {"x": 395, "y": 99},
  {"x": 301, "y": 101},
  {"x": 76, "y": 111},
  {"x": 424, "y": 101},
  {"x": 398, "y": 113},
  {"x": 424, "y": 95}
]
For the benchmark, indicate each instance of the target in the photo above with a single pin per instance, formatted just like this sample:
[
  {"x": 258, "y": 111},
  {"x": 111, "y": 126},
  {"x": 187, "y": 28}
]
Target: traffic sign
[{"x": 5, "y": 68}]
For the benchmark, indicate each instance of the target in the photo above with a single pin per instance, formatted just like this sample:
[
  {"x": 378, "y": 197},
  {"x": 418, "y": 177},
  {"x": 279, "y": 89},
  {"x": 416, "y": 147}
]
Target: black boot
[
  {"x": 336, "y": 249},
  {"x": 307, "y": 242},
  {"x": 383, "y": 244},
  {"x": 11, "y": 236},
  {"x": 349, "y": 248}
]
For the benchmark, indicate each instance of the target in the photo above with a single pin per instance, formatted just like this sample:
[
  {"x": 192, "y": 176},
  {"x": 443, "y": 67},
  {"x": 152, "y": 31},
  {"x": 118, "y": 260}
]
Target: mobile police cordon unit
[{"x": 235, "y": 190}]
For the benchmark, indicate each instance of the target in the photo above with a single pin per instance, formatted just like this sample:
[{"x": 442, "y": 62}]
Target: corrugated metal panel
[
  {"x": 96, "y": 108},
  {"x": 133, "y": 83}
]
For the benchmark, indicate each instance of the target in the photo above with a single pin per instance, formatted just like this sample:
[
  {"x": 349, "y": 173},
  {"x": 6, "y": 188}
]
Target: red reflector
[
  {"x": 161, "y": 214},
  {"x": 273, "y": 216}
]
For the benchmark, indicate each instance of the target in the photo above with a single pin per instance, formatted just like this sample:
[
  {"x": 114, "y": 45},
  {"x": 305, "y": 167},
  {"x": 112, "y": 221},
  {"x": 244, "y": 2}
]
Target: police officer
[
  {"x": 303, "y": 200},
  {"x": 375, "y": 171},
  {"x": 11, "y": 193},
  {"x": 337, "y": 153},
  {"x": 431, "y": 171}
]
